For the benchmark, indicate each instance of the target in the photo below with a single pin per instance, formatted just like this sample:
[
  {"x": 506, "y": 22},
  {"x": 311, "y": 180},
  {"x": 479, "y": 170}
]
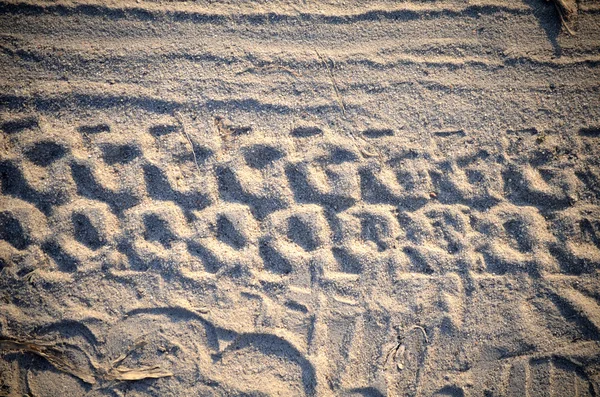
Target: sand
[{"x": 299, "y": 198}]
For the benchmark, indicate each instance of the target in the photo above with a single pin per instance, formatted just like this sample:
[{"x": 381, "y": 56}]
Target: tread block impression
[
  {"x": 18, "y": 125},
  {"x": 303, "y": 227},
  {"x": 120, "y": 154},
  {"x": 305, "y": 131},
  {"x": 160, "y": 187},
  {"x": 260, "y": 156},
  {"x": 378, "y": 132},
  {"x": 337, "y": 185},
  {"x": 90, "y": 185},
  {"x": 579, "y": 231},
  {"x": 248, "y": 186},
  {"x": 93, "y": 128},
  {"x": 14, "y": 183},
  {"x": 522, "y": 242},
  {"x": 45, "y": 153},
  {"x": 225, "y": 237}
]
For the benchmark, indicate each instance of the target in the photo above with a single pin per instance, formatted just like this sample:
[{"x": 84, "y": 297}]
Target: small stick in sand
[
  {"x": 333, "y": 83},
  {"x": 567, "y": 11},
  {"x": 180, "y": 120},
  {"x": 397, "y": 352}
]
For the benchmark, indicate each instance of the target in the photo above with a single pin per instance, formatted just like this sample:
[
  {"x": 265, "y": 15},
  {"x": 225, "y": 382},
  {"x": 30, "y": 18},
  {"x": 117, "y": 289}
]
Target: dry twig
[
  {"x": 181, "y": 122},
  {"x": 567, "y": 12},
  {"x": 333, "y": 82},
  {"x": 397, "y": 352}
]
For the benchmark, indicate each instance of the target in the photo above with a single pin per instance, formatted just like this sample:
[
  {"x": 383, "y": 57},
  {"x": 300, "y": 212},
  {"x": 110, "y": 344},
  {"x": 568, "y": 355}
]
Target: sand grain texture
[{"x": 299, "y": 198}]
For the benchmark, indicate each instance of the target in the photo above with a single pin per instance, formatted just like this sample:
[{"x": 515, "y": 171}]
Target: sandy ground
[{"x": 299, "y": 198}]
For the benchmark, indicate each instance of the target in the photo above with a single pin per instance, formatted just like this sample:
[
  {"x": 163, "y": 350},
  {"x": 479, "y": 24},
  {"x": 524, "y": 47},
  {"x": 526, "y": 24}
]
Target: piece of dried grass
[
  {"x": 567, "y": 12},
  {"x": 57, "y": 358}
]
